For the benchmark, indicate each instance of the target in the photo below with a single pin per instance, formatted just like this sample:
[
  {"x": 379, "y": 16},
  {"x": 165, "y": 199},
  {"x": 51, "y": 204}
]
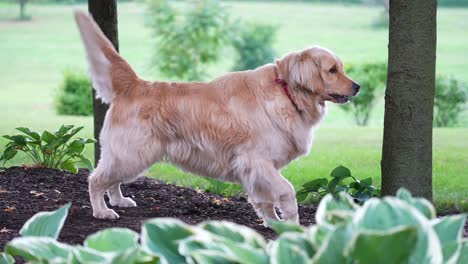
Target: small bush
[
  {"x": 223, "y": 188},
  {"x": 451, "y": 96},
  {"x": 341, "y": 181},
  {"x": 51, "y": 150},
  {"x": 372, "y": 77},
  {"x": 399, "y": 229},
  {"x": 75, "y": 95},
  {"x": 254, "y": 46}
]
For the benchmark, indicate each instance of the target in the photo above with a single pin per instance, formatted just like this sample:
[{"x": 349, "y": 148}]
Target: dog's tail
[{"x": 111, "y": 74}]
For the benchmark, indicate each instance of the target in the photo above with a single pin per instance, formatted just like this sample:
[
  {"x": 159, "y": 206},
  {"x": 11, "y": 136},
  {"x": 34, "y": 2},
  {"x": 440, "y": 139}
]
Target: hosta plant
[
  {"x": 398, "y": 230},
  {"x": 341, "y": 181},
  {"x": 55, "y": 150}
]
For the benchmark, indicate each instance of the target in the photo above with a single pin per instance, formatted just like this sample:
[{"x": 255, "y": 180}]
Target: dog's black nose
[{"x": 356, "y": 87}]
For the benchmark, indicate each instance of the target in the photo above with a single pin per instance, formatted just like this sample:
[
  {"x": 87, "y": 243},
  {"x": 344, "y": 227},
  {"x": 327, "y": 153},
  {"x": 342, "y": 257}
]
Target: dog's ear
[
  {"x": 299, "y": 69},
  {"x": 304, "y": 72}
]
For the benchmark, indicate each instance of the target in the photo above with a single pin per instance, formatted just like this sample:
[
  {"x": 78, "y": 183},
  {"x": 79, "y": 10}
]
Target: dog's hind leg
[
  {"x": 117, "y": 199},
  {"x": 99, "y": 181}
]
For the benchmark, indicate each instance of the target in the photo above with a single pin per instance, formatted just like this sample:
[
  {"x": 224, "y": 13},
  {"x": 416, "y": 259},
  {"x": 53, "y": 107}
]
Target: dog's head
[{"x": 319, "y": 71}]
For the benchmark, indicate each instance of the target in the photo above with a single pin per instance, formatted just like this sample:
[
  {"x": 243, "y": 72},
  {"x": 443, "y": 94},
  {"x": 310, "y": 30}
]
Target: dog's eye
[{"x": 333, "y": 70}]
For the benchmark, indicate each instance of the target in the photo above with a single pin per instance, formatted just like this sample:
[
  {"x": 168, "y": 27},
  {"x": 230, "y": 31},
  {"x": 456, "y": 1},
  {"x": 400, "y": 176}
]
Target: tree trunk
[
  {"x": 22, "y": 15},
  {"x": 409, "y": 98},
  {"x": 104, "y": 13}
]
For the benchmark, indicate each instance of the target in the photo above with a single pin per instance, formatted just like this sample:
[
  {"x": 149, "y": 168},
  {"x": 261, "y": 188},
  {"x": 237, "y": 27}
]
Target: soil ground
[{"x": 26, "y": 191}]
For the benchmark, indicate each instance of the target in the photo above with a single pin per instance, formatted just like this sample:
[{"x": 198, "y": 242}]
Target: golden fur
[{"x": 240, "y": 127}]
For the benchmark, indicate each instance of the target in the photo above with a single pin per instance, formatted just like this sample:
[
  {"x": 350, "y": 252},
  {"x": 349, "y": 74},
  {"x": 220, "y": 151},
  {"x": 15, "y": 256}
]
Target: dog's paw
[
  {"x": 106, "y": 214},
  {"x": 124, "y": 202}
]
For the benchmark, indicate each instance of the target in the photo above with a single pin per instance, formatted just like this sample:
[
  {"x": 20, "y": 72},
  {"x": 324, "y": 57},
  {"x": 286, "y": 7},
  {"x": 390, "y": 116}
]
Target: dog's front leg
[{"x": 266, "y": 187}]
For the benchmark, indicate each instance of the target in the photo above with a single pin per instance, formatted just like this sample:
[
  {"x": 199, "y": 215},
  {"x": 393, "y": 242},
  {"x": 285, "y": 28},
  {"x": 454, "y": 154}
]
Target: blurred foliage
[
  {"x": 451, "y": 97},
  {"x": 189, "y": 40},
  {"x": 75, "y": 94},
  {"x": 382, "y": 21},
  {"x": 372, "y": 77},
  {"x": 254, "y": 46}
]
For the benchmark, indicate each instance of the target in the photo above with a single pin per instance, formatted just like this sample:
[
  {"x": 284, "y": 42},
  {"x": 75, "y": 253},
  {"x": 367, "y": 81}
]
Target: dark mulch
[{"x": 24, "y": 192}]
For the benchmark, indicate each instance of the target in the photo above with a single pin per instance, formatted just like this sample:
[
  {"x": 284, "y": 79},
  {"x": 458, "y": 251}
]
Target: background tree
[
  {"x": 186, "y": 42},
  {"x": 22, "y": 14},
  {"x": 372, "y": 78},
  {"x": 450, "y": 101},
  {"x": 254, "y": 45},
  {"x": 409, "y": 98},
  {"x": 104, "y": 13}
]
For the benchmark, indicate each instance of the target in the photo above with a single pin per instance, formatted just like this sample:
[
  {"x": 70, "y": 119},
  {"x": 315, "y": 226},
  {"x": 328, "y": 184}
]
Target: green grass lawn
[{"x": 34, "y": 54}]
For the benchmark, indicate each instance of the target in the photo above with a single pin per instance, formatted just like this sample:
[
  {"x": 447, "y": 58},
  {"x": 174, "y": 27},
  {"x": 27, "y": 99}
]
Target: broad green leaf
[
  {"x": 85, "y": 162},
  {"x": 19, "y": 140},
  {"x": 301, "y": 196},
  {"x": 367, "y": 181},
  {"x": 463, "y": 258},
  {"x": 75, "y": 131},
  {"x": 75, "y": 147},
  {"x": 244, "y": 253},
  {"x": 283, "y": 251},
  {"x": 333, "y": 183},
  {"x": 317, "y": 234},
  {"x": 234, "y": 232},
  {"x": 69, "y": 165},
  {"x": 389, "y": 213},
  {"x": 125, "y": 256},
  {"x": 6, "y": 259},
  {"x": 48, "y": 137},
  {"x": 63, "y": 130},
  {"x": 374, "y": 246},
  {"x": 40, "y": 249},
  {"x": 90, "y": 256},
  {"x": 315, "y": 185},
  {"x": 8, "y": 153},
  {"x": 332, "y": 248},
  {"x": 46, "y": 224},
  {"x": 233, "y": 251},
  {"x": 449, "y": 229},
  {"x": 32, "y": 134},
  {"x": 283, "y": 226},
  {"x": 332, "y": 211},
  {"x": 112, "y": 240},
  {"x": 340, "y": 172},
  {"x": 422, "y": 205},
  {"x": 211, "y": 257},
  {"x": 301, "y": 240},
  {"x": 161, "y": 236}
]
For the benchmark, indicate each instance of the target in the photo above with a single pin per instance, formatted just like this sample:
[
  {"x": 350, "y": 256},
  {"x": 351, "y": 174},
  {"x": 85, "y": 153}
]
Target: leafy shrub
[
  {"x": 223, "y": 188},
  {"x": 315, "y": 190},
  {"x": 372, "y": 77},
  {"x": 75, "y": 95},
  {"x": 254, "y": 46},
  {"x": 398, "y": 229},
  {"x": 450, "y": 101},
  {"x": 51, "y": 150},
  {"x": 188, "y": 41}
]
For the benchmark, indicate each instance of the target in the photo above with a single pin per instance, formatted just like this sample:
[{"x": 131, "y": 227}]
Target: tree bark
[
  {"x": 104, "y": 13},
  {"x": 409, "y": 98}
]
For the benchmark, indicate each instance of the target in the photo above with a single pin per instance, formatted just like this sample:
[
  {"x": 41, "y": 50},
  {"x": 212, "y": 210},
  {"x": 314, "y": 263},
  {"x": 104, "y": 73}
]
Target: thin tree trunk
[
  {"x": 104, "y": 13},
  {"x": 22, "y": 15},
  {"x": 409, "y": 98}
]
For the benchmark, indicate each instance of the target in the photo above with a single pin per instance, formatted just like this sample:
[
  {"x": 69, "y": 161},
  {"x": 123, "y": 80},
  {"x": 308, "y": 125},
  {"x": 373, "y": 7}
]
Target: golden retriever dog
[{"x": 242, "y": 127}]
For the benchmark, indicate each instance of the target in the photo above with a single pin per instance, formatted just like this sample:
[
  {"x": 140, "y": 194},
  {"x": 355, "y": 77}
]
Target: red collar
[{"x": 284, "y": 84}]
